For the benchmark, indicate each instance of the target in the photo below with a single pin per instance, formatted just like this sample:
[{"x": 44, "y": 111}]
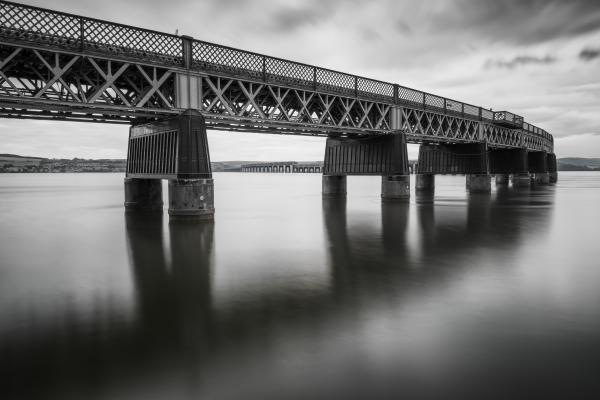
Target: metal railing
[
  {"x": 39, "y": 26},
  {"x": 508, "y": 117}
]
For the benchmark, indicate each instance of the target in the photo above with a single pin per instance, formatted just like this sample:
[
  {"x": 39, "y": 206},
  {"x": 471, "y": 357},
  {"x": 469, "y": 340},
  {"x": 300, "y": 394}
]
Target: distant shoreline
[{"x": 12, "y": 163}]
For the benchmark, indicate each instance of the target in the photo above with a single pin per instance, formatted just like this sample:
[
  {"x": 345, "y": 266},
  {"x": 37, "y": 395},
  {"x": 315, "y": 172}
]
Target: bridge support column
[
  {"x": 468, "y": 158},
  {"x": 395, "y": 187},
  {"x": 541, "y": 178},
  {"x": 143, "y": 194},
  {"x": 553, "y": 175},
  {"x": 176, "y": 149},
  {"x": 425, "y": 183},
  {"x": 522, "y": 180},
  {"x": 538, "y": 166},
  {"x": 378, "y": 155},
  {"x": 334, "y": 185},
  {"x": 479, "y": 183},
  {"x": 515, "y": 161},
  {"x": 191, "y": 198},
  {"x": 502, "y": 179}
]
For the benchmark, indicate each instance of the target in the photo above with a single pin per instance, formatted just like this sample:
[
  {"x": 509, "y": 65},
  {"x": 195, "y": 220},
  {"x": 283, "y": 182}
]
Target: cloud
[
  {"x": 520, "y": 61},
  {"x": 589, "y": 54},
  {"x": 293, "y": 15},
  {"x": 520, "y": 22},
  {"x": 369, "y": 34},
  {"x": 293, "y": 18},
  {"x": 402, "y": 27}
]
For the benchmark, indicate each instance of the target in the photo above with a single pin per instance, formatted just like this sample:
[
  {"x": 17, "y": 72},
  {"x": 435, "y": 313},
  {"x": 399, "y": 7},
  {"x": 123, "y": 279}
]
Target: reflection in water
[
  {"x": 394, "y": 319},
  {"x": 173, "y": 295}
]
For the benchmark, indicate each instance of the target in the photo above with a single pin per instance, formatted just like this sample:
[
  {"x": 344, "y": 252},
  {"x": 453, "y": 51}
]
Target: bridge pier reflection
[{"x": 179, "y": 327}]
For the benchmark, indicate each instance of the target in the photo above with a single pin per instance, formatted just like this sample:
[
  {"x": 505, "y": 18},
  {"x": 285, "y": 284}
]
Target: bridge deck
[{"x": 56, "y": 65}]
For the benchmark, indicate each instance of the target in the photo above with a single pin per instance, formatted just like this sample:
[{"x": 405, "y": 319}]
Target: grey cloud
[
  {"x": 589, "y": 54},
  {"x": 520, "y": 61},
  {"x": 369, "y": 34},
  {"x": 402, "y": 27},
  {"x": 290, "y": 19},
  {"x": 520, "y": 21},
  {"x": 287, "y": 18}
]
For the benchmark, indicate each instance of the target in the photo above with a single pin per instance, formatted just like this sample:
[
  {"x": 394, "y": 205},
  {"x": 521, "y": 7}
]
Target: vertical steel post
[
  {"x": 82, "y": 33},
  {"x": 186, "y": 48}
]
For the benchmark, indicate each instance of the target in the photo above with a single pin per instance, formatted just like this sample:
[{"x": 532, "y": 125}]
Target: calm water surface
[{"x": 287, "y": 295}]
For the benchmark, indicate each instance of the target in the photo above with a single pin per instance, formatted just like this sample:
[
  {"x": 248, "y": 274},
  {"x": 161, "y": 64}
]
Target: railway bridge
[
  {"x": 170, "y": 89},
  {"x": 283, "y": 167}
]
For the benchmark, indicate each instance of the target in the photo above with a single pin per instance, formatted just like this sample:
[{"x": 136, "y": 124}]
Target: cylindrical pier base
[
  {"x": 501, "y": 179},
  {"x": 553, "y": 176},
  {"x": 143, "y": 194},
  {"x": 334, "y": 185},
  {"x": 425, "y": 183},
  {"x": 541, "y": 178},
  {"x": 479, "y": 183},
  {"x": 191, "y": 199},
  {"x": 395, "y": 187},
  {"x": 521, "y": 180}
]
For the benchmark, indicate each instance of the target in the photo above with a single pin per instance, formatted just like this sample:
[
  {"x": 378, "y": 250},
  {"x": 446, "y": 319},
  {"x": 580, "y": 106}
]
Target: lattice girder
[
  {"x": 247, "y": 99},
  {"x": 49, "y": 81},
  {"x": 72, "y": 66}
]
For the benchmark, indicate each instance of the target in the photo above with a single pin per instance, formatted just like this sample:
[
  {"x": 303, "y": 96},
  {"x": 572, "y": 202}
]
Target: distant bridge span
[{"x": 61, "y": 66}]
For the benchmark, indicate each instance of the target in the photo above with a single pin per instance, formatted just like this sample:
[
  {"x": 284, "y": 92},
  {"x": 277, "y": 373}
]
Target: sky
[{"x": 537, "y": 58}]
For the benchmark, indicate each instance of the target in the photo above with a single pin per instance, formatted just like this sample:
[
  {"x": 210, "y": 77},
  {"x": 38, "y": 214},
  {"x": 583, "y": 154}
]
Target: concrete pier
[
  {"x": 541, "y": 178},
  {"x": 191, "y": 198},
  {"x": 395, "y": 187},
  {"x": 552, "y": 167},
  {"x": 143, "y": 194},
  {"x": 521, "y": 180},
  {"x": 334, "y": 185},
  {"x": 502, "y": 179},
  {"x": 479, "y": 183},
  {"x": 425, "y": 183}
]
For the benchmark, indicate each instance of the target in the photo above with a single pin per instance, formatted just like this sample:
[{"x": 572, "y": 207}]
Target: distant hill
[
  {"x": 17, "y": 163},
  {"x": 578, "y": 164},
  {"x": 17, "y": 156}
]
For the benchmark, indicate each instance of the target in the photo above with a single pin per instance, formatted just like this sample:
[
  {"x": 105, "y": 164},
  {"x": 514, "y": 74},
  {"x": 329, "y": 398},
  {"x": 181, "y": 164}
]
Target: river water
[{"x": 287, "y": 295}]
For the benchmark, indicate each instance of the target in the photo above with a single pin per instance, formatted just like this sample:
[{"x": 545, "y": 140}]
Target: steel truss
[
  {"x": 56, "y": 65},
  {"x": 45, "y": 84},
  {"x": 234, "y": 104}
]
